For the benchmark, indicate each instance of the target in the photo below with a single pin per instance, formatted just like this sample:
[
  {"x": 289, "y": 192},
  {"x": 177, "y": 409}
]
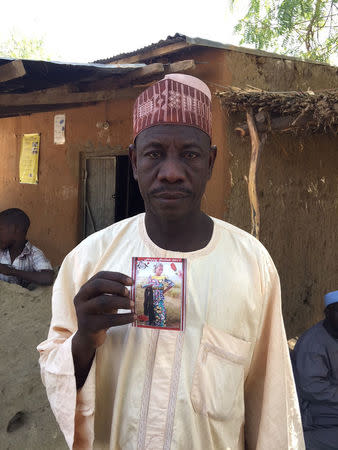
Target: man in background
[
  {"x": 21, "y": 262},
  {"x": 315, "y": 361}
]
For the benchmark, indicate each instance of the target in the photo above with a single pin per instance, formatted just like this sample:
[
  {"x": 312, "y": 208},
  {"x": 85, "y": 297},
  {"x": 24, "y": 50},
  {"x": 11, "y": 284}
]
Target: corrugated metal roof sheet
[
  {"x": 162, "y": 43},
  {"x": 196, "y": 41}
]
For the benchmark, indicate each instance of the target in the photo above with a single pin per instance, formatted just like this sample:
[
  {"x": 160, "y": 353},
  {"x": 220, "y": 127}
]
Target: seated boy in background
[{"x": 20, "y": 261}]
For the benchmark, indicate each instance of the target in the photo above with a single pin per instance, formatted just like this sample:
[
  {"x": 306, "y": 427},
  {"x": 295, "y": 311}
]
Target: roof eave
[
  {"x": 154, "y": 53},
  {"x": 188, "y": 41},
  {"x": 253, "y": 51}
]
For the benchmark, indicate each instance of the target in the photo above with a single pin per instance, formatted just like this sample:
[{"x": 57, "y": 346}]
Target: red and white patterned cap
[{"x": 176, "y": 99}]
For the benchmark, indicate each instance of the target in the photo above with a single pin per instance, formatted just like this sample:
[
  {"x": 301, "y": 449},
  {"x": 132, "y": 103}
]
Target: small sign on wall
[
  {"x": 29, "y": 158},
  {"x": 59, "y": 129}
]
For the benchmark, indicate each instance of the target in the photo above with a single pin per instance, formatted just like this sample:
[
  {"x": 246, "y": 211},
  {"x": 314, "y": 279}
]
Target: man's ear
[
  {"x": 212, "y": 158},
  {"x": 133, "y": 159}
]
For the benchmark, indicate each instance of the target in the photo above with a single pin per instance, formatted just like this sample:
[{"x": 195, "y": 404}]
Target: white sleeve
[{"x": 73, "y": 410}]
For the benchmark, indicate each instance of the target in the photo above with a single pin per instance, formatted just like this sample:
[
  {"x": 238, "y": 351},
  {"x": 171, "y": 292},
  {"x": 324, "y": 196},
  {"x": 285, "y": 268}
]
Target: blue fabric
[
  {"x": 315, "y": 364},
  {"x": 331, "y": 297},
  {"x": 321, "y": 439}
]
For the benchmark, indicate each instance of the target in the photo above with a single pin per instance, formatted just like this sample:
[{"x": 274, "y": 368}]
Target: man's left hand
[{"x": 6, "y": 270}]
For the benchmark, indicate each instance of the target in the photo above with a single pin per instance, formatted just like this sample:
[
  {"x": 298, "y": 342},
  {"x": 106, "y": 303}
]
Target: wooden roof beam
[
  {"x": 181, "y": 66},
  {"x": 140, "y": 76},
  {"x": 11, "y": 71},
  {"x": 155, "y": 71},
  {"x": 63, "y": 95},
  {"x": 31, "y": 109},
  {"x": 143, "y": 72},
  {"x": 149, "y": 71}
]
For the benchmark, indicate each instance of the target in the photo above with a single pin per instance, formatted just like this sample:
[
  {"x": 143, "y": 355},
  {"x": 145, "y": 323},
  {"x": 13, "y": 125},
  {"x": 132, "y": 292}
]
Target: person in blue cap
[{"x": 315, "y": 364}]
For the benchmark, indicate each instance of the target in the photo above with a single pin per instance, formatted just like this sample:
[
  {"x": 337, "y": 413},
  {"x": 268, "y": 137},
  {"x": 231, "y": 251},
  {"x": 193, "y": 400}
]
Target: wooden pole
[
  {"x": 282, "y": 124},
  {"x": 256, "y": 148}
]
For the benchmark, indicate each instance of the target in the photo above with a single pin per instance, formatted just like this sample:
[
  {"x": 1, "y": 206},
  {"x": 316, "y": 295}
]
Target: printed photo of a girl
[
  {"x": 159, "y": 285},
  {"x": 158, "y": 293}
]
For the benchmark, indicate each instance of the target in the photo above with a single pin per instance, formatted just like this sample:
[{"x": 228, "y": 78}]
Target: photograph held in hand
[{"x": 158, "y": 292}]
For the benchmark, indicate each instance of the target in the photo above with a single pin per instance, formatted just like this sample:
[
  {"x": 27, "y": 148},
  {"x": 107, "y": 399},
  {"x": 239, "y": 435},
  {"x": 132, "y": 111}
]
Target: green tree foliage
[
  {"x": 305, "y": 28},
  {"x": 23, "y": 48}
]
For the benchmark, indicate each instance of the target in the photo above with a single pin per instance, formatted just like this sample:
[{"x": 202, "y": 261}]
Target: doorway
[{"x": 109, "y": 191}]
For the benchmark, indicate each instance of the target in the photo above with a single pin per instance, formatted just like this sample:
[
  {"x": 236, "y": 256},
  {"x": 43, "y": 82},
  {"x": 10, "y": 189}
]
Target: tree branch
[{"x": 256, "y": 148}]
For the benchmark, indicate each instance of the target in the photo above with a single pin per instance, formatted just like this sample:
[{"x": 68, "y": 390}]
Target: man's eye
[
  {"x": 190, "y": 155},
  {"x": 153, "y": 155}
]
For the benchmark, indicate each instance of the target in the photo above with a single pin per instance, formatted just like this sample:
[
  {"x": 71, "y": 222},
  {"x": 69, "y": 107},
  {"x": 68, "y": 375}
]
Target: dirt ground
[{"x": 25, "y": 317}]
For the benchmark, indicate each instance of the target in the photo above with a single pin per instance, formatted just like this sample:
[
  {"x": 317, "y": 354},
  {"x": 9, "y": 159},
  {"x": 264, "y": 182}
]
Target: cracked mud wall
[{"x": 297, "y": 185}]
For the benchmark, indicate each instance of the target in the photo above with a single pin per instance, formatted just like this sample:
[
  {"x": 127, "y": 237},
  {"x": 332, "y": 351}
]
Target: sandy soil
[{"x": 25, "y": 317}]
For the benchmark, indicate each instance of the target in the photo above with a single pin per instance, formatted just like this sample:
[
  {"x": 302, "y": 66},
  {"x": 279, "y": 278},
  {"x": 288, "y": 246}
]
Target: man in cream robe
[{"x": 225, "y": 381}]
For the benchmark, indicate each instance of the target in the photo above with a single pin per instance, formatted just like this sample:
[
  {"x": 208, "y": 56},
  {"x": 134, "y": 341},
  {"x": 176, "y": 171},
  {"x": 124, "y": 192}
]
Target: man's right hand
[{"x": 96, "y": 305}]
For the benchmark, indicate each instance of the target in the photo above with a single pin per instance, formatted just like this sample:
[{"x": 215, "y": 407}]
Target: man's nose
[{"x": 171, "y": 170}]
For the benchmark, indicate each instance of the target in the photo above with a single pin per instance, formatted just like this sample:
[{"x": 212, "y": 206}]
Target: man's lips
[{"x": 171, "y": 195}]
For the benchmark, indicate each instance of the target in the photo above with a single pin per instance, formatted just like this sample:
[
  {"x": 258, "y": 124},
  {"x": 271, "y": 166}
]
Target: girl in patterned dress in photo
[{"x": 159, "y": 285}]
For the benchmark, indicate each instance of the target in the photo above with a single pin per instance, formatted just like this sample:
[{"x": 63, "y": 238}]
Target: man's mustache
[{"x": 161, "y": 190}]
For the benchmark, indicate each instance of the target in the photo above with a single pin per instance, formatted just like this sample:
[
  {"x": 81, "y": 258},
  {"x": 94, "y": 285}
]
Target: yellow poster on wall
[{"x": 29, "y": 159}]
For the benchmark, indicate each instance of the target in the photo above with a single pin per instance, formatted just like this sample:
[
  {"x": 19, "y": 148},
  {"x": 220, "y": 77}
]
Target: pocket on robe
[{"x": 218, "y": 382}]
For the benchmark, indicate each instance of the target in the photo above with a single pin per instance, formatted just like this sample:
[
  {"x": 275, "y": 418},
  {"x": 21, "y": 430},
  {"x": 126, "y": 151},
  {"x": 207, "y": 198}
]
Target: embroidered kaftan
[{"x": 225, "y": 382}]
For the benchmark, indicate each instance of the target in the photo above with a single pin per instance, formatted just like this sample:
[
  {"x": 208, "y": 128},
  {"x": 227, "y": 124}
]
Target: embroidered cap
[
  {"x": 331, "y": 297},
  {"x": 176, "y": 99}
]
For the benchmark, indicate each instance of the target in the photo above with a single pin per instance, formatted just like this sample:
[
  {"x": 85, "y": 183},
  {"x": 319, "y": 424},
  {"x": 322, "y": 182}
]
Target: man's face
[
  {"x": 332, "y": 315},
  {"x": 7, "y": 236},
  {"x": 172, "y": 164}
]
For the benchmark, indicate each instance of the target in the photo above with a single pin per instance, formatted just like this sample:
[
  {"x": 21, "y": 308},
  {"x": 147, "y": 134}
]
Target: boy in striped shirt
[{"x": 21, "y": 262}]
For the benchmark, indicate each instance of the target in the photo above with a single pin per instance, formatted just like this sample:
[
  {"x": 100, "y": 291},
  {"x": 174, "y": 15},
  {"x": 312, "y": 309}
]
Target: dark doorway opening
[
  {"x": 128, "y": 200},
  {"x": 109, "y": 191}
]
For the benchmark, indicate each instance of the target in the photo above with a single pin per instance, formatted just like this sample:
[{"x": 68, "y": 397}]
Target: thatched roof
[{"x": 291, "y": 111}]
